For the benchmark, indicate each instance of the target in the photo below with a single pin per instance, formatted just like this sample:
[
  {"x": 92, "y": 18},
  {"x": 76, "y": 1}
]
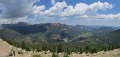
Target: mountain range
[{"x": 60, "y": 33}]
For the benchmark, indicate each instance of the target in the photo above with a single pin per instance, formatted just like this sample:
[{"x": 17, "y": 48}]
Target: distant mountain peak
[{"x": 22, "y": 23}]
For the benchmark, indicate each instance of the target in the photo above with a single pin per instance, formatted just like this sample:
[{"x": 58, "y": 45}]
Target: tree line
[{"x": 62, "y": 47}]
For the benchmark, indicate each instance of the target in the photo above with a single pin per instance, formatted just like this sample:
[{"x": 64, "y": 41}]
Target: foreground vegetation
[
  {"x": 36, "y": 55},
  {"x": 67, "y": 48}
]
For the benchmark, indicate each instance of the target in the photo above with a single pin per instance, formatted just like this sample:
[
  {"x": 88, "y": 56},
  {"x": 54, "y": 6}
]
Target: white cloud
[
  {"x": 109, "y": 16},
  {"x": 38, "y": 9},
  {"x": 56, "y": 9},
  {"x": 84, "y": 9},
  {"x": 79, "y": 9},
  {"x": 100, "y": 6},
  {"x": 52, "y": 2},
  {"x": 8, "y": 21},
  {"x": 61, "y": 10}
]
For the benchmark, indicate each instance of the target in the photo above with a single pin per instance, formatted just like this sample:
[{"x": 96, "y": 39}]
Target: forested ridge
[{"x": 58, "y": 38}]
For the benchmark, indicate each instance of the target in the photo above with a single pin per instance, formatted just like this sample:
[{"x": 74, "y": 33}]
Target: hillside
[
  {"x": 27, "y": 29},
  {"x": 52, "y": 32},
  {"x": 6, "y": 50},
  {"x": 111, "y": 37}
]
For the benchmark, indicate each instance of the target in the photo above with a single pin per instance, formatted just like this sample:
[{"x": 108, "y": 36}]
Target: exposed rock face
[{"x": 5, "y": 49}]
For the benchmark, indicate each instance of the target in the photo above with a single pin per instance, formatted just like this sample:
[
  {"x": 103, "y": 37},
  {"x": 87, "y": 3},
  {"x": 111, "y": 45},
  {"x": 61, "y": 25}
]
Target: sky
[{"x": 71, "y": 12}]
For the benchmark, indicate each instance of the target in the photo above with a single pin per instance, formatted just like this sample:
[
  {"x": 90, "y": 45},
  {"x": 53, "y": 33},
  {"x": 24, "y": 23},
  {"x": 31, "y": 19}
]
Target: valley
[{"x": 59, "y": 38}]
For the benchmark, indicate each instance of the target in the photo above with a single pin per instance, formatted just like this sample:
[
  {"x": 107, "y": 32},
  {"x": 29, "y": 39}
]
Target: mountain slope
[
  {"x": 6, "y": 49},
  {"x": 111, "y": 37},
  {"x": 56, "y": 33},
  {"x": 10, "y": 34}
]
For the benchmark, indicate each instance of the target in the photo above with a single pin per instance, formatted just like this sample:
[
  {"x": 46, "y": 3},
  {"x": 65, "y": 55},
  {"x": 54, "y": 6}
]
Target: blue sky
[
  {"x": 115, "y": 10},
  {"x": 73, "y": 21},
  {"x": 72, "y": 12}
]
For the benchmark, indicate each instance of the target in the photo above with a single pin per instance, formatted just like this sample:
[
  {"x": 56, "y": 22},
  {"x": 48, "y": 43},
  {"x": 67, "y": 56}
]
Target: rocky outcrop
[{"x": 5, "y": 48}]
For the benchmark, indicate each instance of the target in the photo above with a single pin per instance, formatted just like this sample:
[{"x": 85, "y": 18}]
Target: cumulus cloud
[
  {"x": 51, "y": 14},
  {"x": 56, "y": 10},
  {"x": 16, "y": 8},
  {"x": 38, "y": 9},
  {"x": 82, "y": 8},
  {"x": 61, "y": 10}
]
